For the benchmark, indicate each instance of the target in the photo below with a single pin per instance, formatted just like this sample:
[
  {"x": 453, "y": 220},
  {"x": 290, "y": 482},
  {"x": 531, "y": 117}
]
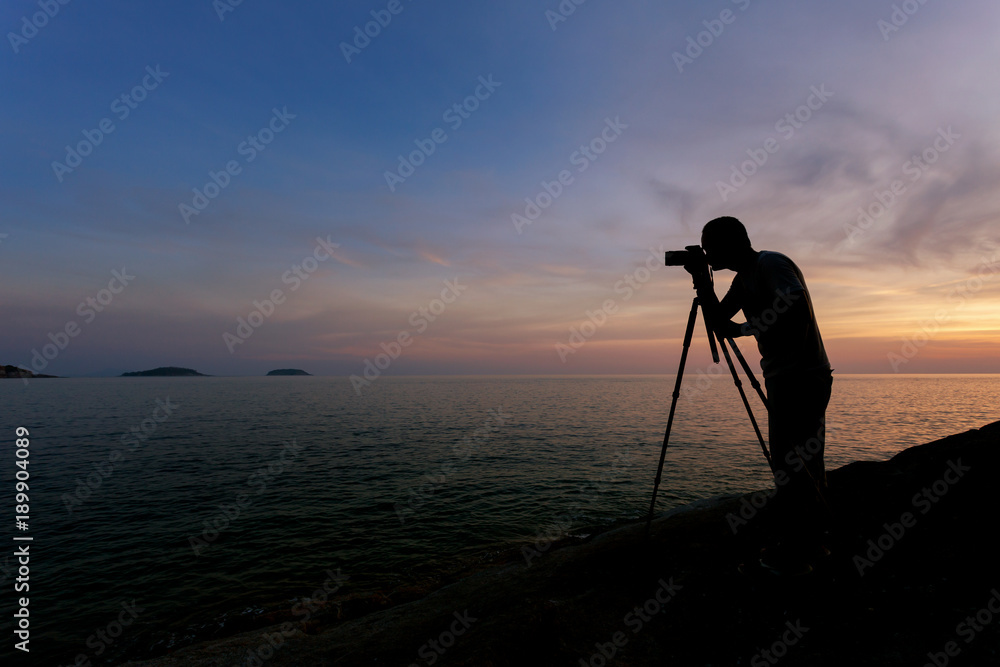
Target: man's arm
[
  {"x": 717, "y": 313},
  {"x": 732, "y": 303}
]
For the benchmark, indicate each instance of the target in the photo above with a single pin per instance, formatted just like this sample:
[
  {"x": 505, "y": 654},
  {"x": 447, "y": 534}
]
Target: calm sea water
[{"x": 385, "y": 487}]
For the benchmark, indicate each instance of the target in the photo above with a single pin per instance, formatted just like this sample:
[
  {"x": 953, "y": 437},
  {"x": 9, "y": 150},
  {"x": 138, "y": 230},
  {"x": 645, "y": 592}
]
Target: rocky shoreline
[
  {"x": 9, "y": 371},
  {"x": 910, "y": 579}
]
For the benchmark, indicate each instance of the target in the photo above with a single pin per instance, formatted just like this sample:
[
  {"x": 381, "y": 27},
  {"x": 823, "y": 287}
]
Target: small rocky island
[
  {"x": 17, "y": 372},
  {"x": 166, "y": 371},
  {"x": 289, "y": 371}
]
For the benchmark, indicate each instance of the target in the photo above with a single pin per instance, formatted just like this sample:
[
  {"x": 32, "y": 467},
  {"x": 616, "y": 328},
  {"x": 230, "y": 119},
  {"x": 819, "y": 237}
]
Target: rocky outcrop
[
  {"x": 912, "y": 560},
  {"x": 16, "y": 372}
]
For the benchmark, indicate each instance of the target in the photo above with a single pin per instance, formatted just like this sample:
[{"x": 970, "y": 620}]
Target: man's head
[{"x": 725, "y": 242}]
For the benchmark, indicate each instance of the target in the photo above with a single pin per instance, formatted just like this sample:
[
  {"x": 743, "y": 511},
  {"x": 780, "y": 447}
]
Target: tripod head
[{"x": 694, "y": 261}]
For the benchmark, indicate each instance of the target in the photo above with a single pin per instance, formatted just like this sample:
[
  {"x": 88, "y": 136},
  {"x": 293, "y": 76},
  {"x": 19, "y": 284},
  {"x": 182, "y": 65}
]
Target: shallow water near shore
[{"x": 277, "y": 482}]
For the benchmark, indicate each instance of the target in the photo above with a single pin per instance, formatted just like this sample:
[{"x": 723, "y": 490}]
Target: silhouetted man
[{"x": 771, "y": 292}]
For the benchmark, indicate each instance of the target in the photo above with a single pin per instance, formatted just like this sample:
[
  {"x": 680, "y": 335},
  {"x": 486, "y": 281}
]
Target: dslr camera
[{"x": 692, "y": 255}]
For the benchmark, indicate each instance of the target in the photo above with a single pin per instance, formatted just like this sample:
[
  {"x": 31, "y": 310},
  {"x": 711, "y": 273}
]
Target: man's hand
[
  {"x": 730, "y": 329},
  {"x": 698, "y": 268}
]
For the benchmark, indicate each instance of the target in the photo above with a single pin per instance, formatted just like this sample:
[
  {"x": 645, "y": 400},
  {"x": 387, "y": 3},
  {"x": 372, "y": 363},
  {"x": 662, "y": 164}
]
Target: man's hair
[{"x": 727, "y": 232}]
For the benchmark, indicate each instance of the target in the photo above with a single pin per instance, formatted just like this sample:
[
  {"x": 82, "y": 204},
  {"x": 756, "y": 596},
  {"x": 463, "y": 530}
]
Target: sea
[{"x": 181, "y": 504}]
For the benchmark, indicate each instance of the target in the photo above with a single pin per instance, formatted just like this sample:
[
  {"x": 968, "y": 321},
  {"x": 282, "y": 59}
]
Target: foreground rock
[{"x": 911, "y": 577}]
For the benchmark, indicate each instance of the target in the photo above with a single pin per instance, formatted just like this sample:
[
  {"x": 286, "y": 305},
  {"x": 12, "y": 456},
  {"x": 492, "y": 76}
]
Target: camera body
[{"x": 691, "y": 255}]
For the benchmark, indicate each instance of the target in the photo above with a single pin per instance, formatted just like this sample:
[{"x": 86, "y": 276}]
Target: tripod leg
[
  {"x": 746, "y": 369},
  {"x": 746, "y": 403},
  {"x": 711, "y": 341},
  {"x": 673, "y": 406}
]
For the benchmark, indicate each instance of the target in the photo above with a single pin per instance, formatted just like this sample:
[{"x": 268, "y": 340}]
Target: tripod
[{"x": 712, "y": 336}]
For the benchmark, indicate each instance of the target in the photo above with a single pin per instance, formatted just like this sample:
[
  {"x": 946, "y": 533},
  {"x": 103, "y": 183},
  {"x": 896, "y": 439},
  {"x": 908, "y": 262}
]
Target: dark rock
[
  {"x": 17, "y": 372},
  {"x": 578, "y": 596}
]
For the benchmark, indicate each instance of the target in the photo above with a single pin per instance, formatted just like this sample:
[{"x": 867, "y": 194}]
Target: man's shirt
[{"x": 766, "y": 292}]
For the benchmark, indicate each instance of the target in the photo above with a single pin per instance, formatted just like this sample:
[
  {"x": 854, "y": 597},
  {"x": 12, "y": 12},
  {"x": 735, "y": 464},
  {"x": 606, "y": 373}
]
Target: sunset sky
[{"x": 641, "y": 123}]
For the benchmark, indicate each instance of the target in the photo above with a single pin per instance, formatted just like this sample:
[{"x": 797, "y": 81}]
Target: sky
[{"x": 409, "y": 187}]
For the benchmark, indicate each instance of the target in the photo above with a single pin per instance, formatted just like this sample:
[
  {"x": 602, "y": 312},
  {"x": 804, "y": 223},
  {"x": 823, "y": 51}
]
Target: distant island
[
  {"x": 16, "y": 372},
  {"x": 289, "y": 371},
  {"x": 166, "y": 371}
]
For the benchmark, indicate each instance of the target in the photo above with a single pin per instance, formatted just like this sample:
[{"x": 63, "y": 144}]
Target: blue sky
[{"x": 893, "y": 93}]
